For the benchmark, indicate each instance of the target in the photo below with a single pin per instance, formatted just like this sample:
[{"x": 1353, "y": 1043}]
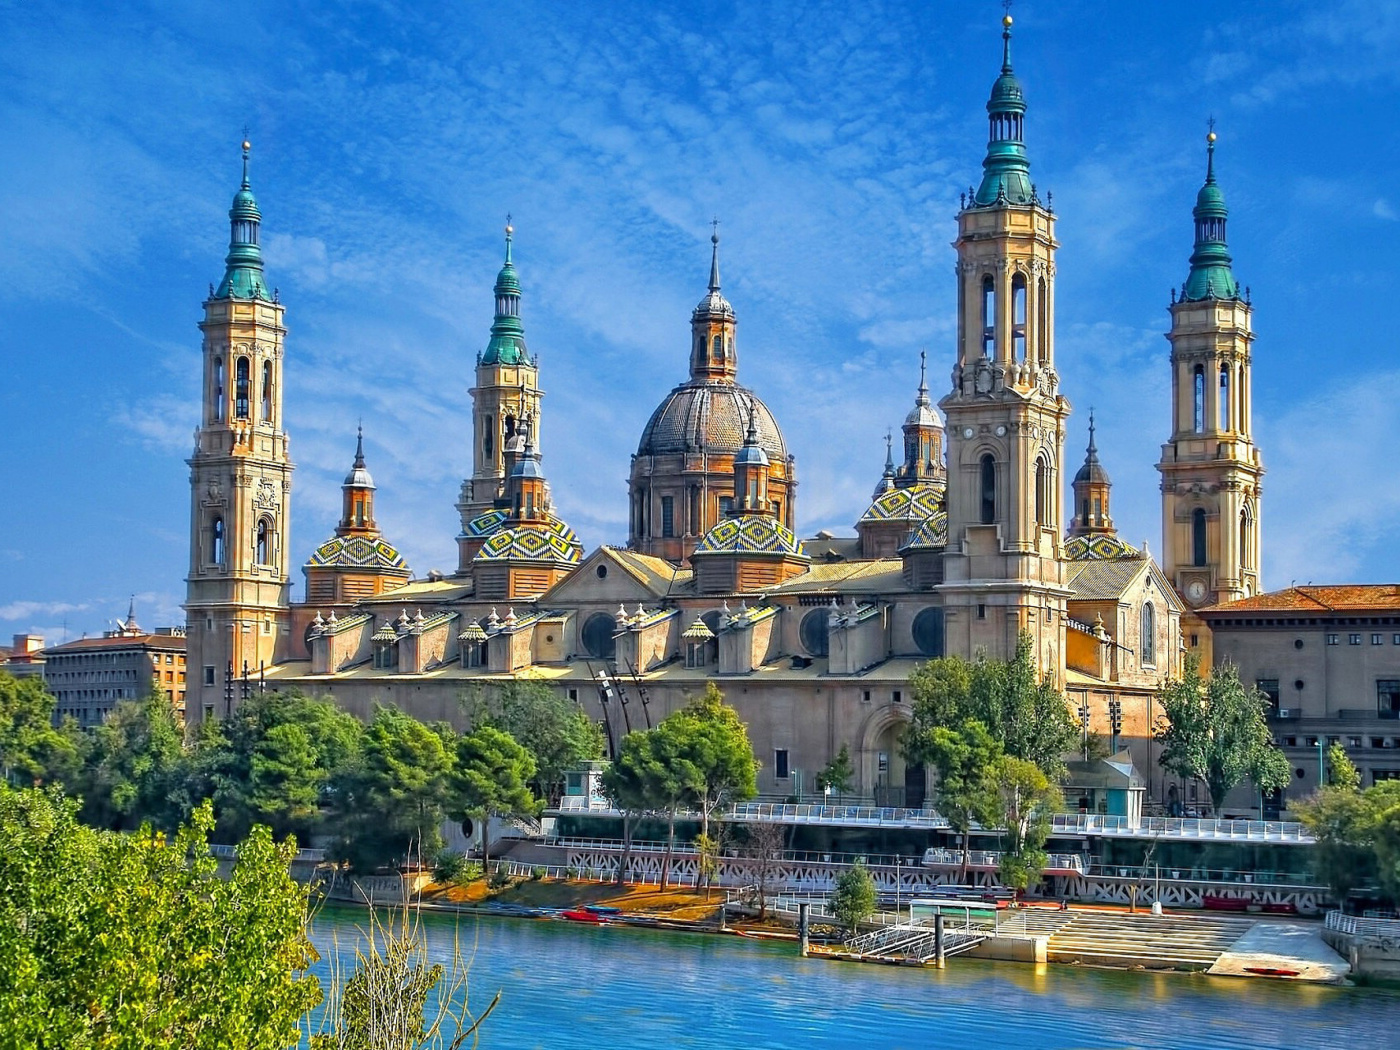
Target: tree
[
  {"x": 1026, "y": 800},
  {"x": 31, "y": 749},
  {"x": 1216, "y": 732},
  {"x": 491, "y": 778},
  {"x": 711, "y": 739},
  {"x": 1383, "y": 820},
  {"x": 554, "y": 729},
  {"x": 1341, "y": 771},
  {"x": 626, "y": 785},
  {"x": 838, "y": 774},
  {"x": 966, "y": 760},
  {"x": 854, "y": 899},
  {"x": 1341, "y": 820},
  {"x": 133, "y": 768},
  {"x": 134, "y": 940},
  {"x": 396, "y": 800},
  {"x": 764, "y": 847},
  {"x": 654, "y": 772}
]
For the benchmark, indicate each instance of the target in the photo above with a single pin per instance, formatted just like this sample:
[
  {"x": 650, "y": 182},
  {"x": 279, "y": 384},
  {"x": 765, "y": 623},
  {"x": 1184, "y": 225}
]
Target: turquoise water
[{"x": 568, "y": 986}]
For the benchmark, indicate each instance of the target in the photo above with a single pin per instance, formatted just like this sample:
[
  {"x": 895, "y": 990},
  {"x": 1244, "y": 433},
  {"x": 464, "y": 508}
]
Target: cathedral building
[{"x": 967, "y": 543}]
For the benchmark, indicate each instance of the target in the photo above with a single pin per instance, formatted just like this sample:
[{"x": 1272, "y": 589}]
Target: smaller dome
[
  {"x": 929, "y": 534},
  {"x": 1092, "y": 472},
  {"x": 923, "y": 415},
  {"x": 357, "y": 552},
  {"x": 1098, "y": 548},
  {"x": 750, "y": 534},
  {"x": 1006, "y": 95},
  {"x": 507, "y": 282},
  {"x": 487, "y": 524},
  {"x": 550, "y": 541},
  {"x": 752, "y": 455},
  {"x": 710, "y": 416},
  {"x": 527, "y": 467},
  {"x": 913, "y": 504},
  {"x": 713, "y": 305}
]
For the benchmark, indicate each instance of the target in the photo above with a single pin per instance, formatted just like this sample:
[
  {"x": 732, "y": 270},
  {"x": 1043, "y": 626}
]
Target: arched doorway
[{"x": 889, "y": 779}]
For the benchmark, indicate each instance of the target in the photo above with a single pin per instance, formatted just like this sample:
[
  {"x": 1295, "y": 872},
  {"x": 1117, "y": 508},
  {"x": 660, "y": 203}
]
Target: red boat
[{"x": 580, "y": 915}]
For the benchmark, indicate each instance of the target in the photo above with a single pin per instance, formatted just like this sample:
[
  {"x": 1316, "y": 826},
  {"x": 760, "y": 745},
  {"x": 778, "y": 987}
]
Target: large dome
[{"x": 709, "y": 416}]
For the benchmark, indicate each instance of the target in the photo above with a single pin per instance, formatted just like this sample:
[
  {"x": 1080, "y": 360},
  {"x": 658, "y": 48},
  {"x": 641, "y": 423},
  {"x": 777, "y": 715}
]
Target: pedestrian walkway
[{"x": 1283, "y": 949}]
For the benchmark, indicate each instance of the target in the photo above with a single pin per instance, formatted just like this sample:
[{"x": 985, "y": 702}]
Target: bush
[
  {"x": 536, "y": 874},
  {"x": 455, "y": 869},
  {"x": 498, "y": 879}
]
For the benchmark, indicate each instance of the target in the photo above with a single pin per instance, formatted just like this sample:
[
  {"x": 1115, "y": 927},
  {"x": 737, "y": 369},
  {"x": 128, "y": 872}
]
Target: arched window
[
  {"x": 598, "y": 640},
  {"x": 267, "y": 392},
  {"x": 218, "y": 390},
  {"x": 1198, "y": 418},
  {"x": 216, "y": 541},
  {"x": 241, "y": 383},
  {"x": 1018, "y": 316},
  {"x": 989, "y": 315},
  {"x": 702, "y": 356},
  {"x": 718, "y": 348},
  {"x": 1223, "y": 409},
  {"x": 1042, "y": 492},
  {"x": 1084, "y": 511},
  {"x": 1149, "y": 635},
  {"x": 262, "y": 548},
  {"x": 989, "y": 489},
  {"x": 1198, "y": 537},
  {"x": 1246, "y": 536},
  {"x": 1042, "y": 322},
  {"x": 813, "y": 632},
  {"x": 510, "y": 427},
  {"x": 488, "y": 436},
  {"x": 928, "y": 632}
]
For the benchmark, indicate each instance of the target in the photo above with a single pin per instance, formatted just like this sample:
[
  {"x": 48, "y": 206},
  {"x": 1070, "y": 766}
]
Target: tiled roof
[
  {"x": 709, "y": 416},
  {"x": 487, "y": 524},
  {"x": 1342, "y": 598},
  {"x": 658, "y": 574},
  {"x": 1093, "y": 580},
  {"x": 175, "y": 642},
  {"x": 916, "y": 503},
  {"x": 879, "y": 574},
  {"x": 750, "y": 534},
  {"x": 1101, "y": 548},
  {"x": 929, "y": 534},
  {"x": 360, "y": 552},
  {"x": 548, "y": 541}
]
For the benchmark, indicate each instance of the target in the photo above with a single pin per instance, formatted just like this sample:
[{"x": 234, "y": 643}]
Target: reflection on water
[{"x": 569, "y": 986}]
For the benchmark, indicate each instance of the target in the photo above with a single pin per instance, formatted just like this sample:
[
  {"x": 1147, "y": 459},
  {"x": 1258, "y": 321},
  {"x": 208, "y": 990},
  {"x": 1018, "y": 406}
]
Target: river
[{"x": 568, "y": 986}]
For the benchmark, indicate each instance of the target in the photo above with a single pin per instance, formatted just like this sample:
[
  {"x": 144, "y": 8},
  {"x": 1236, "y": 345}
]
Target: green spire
[
  {"x": 243, "y": 272},
  {"x": 1006, "y": 171},
  {"x": 507, "y": 346},
  {"x": 1211, "y": 276}
]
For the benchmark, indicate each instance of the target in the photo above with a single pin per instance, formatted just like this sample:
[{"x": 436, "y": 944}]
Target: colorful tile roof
[
  {"x": 1341, "y": 598},
  {"x": 358, "y": 552},
  {"x": 929, "y": 534},
  {"x": 487, "y": 524},
  {"x": 1098, "y": 548},
  {"x": 548, "y": 541},
  {"x": 750, "y": 534},
  {"x": 915, "y": 503}
]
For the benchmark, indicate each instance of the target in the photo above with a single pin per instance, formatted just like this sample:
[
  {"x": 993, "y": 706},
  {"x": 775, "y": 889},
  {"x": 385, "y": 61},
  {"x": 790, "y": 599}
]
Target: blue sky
[{"x": 831, "y": 139}]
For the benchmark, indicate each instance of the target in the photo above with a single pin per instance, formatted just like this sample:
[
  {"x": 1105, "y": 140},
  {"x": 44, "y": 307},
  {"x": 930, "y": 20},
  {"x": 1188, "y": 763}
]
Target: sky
[{"x": 831, "y": 140}]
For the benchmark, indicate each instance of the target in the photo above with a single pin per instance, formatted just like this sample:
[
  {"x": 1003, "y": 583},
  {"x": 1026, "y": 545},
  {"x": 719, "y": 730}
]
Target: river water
[{"x": 570, "y": 986}]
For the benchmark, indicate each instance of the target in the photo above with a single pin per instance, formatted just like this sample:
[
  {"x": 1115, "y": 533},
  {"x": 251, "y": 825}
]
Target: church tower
[
  {"x": 506, "y": 394},
  {"x": 1005, "y": 415},
  {"x": 1091, "y": 490},
  {"x": 238, "y": 589},
  {"x": 1211, "y": 468}
]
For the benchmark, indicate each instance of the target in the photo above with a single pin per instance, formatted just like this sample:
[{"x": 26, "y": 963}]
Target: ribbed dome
[
  {"x": 711, "y": 417},
  {"x": 1092, "y": 471}
]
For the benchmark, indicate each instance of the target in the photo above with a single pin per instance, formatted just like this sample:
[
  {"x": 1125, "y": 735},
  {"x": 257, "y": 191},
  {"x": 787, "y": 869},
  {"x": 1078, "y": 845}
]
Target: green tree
[
  {"x": 135, "y": 941},
  {"x": 1027, "y": 800},
  {"x": 654, "y": 772},
  {"x": 715, "y": 743},
  {"x": 1341, "y": 771},
  {"x": 554, "y": 729},
  {"x": 627, "y": 784},
  {"x": 1341, "y": 819},
  {"x": 854, "y": 899},
  {"x": 396, "y": 799},
  {"x": 966, "y": 760},
  {"x": 133, "y": 767},
  {"x": 491, "y": 778},
  {"x": 1216, "y": 731},
  {"x": 839, "y": 774},
  {"x": 31, "y": 749},
  {"x": 1383, "y": 821}
]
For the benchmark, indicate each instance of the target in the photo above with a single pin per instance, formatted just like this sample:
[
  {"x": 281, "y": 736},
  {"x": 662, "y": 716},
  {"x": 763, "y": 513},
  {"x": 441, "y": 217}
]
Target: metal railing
[
  {"x": 222, "y": 852},
  {"x": 868, "y": 816},
  {"x": 1180, "y": 827},
  {"x": 985, "y": 858},
  {"x": 1362, "y": 927},
  {"x": 1182, "y": 873}
]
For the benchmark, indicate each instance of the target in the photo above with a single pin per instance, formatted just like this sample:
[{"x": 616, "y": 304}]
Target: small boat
[
  {"x": 602, "y": 909},
  {"x": 1270, "y": 971},
  {"x": 582, "y": 915}
]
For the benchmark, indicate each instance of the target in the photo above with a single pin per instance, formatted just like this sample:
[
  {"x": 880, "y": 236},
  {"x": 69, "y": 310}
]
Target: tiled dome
[
  {"x": 711, "y": 417},
  {"x": 360, "y": 552},
  {"x": 930, "y": 534},
  {"x": 750, "y": 534},
  {"x": 546, "y": 541},
  {"x": 1098, "y": 548},
  {"x": 916, "y": 503}
]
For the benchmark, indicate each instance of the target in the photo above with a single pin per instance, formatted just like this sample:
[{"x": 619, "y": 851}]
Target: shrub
[
  {"x": 536, "y": 874},
  {"x": 455, "y": 868},
  {"x": 498, "y": 879}
]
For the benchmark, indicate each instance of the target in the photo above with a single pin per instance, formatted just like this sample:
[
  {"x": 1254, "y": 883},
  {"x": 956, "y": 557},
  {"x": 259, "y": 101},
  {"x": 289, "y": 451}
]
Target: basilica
[{"x": 983, "y": 528}]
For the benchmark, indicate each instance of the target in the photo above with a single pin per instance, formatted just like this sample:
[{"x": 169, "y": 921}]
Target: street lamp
[{"x": 898, "y": 860}]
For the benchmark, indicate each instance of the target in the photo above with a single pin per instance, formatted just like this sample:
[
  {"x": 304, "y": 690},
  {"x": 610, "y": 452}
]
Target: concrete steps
[{"x": 1169, "y": 941}]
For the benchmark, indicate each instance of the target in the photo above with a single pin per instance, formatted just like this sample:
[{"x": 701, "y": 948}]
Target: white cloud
[{"x": 1383, "y": 209}]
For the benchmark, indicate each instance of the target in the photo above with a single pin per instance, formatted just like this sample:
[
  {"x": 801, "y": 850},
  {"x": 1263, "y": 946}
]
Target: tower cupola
[
  {"x": 1006, "y": 171},
  {"x": 751, "y": 472},
  {"x": 358, "y": 495},
  {"x": 712, "y": 329},
  {"x": 507, "y": 345},
  {"x": 1091, "y": 490},
  {"x": 1211, "y": 274},
  {"x": 923, "y": 437},
  {"x": 243, "y": 266},
  {"x": 526, "y": 486}
]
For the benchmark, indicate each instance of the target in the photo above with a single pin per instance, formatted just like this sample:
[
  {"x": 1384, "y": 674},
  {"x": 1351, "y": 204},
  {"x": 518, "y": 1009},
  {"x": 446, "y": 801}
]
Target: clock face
[
  {"x": 1196, "y": 591},
  {"x": 967, "y": 433}
]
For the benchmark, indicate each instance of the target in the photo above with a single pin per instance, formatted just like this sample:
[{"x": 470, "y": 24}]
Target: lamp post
[{"x": 898, "y": 860}]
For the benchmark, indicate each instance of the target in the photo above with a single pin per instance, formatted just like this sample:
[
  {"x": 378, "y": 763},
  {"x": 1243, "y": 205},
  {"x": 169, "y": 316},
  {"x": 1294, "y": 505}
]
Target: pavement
[{"x": 1295, "y": 949}]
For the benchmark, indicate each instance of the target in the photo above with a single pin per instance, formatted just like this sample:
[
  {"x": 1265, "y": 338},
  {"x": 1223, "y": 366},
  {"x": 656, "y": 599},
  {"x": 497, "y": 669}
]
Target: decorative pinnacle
[
  {"x": 1093, "y": 451},
  {"x": 360, "y": 447},
  {"x": 510, "y": 230},
  {"x": 247, "y": 148},
  {"x": 889, "y": 453},
  {"x": 922, "y": 398},
  {"x": 1006, "y": 37},
  {"x": 714, "y": 256},
  {"x": 1210, "y": 150}
]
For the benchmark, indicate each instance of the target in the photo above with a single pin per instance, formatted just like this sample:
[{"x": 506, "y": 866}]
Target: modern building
[
  {"x": 88, "y": 677},
  {"x": 24, "y": 657},
  {"x": 966, "y": 546}
]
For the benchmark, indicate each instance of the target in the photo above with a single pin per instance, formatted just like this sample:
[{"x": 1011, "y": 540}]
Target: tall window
[
  {"x": 1018, "y": 316},
  {"x": 989, "y": 489},
  {"x": 718, "y": 348},
  {"x": 1245, "y": 537},
  {"x": 989, "y": 316},
  {"x": 1198, "y": 537},
  {"x": 267, "y": 392},
  {"x": 1084, "y": 511},
  {"x": 488, "y": 436},
  {"x": 1149, "y": 635},
  {"x": 1223, "y": 409},
  {"x": 218, "y": 390},
  {"x": 241, "y": 383},
  {"x": 263, "y": 545},
  {"x": 216, "y": 541},
  {"x": 1388, "y": 698},
  {"x": 1042, "y": 492},
  {"x": 695, "y": 510},
  {"x": 1198, "y": 422},
  {"x": 1042, "y": 322},
  {"x": 668, "y": 516}
]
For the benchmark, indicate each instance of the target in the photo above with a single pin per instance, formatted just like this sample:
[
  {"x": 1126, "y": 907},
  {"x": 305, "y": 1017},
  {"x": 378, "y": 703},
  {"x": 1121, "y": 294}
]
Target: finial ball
[
  {"x": 247, "y": 144},
  {"x": 510, "y": 229},
  {"x": 1210, "y": 137},
  {"x": 1006, "y": 21}
]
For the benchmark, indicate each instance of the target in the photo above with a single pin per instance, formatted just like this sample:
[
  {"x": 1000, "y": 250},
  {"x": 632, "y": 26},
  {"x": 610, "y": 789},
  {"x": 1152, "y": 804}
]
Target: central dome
[{"x": 712, "y": 417}]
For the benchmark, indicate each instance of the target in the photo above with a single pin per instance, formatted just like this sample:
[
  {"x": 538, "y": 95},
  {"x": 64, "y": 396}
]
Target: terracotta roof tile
[{"x": 1351, "y": 597}]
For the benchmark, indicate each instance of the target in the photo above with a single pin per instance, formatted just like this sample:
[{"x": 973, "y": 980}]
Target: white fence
[{"x": 1356, "y": 926}]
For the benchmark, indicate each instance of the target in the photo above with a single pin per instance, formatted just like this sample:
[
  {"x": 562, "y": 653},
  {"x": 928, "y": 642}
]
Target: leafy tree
[
  {"x": 554, "y": 729},
  {"x": 854, "y": 899},
  {"x": 1383, "y": 802},
  {"x": 135, "y": 941},
  {"x": 966, "y": 760},
  {"x": 1216, "y": 731},
  {"x": 491, "y": 778},
  {"x": 1341, "y": 771},
  {"x": 707, "y": 859},
  {"x": 1341, "y": 820},
  {"x": 711, "y": 739},
  {"x": 627, "y": 784},
  {"x": 654, "y": 771},
  {"x": 1025, "y": 714},
  {"x": 1026, "y": 801},
  {"x": 133, "y": 767},
  {"x": 839, "y": 774},
  {"x": 31, "y": 749},
  {"x": 397, "y": 798}
]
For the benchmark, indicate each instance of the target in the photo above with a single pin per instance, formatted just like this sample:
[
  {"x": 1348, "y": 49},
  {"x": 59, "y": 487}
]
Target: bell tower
[
  {"x": 1211, "y": 469},
  {"x": 1005, "y": 415},
  {"x": 506, "y": 394},
  {"x": 238, "y": 590}
]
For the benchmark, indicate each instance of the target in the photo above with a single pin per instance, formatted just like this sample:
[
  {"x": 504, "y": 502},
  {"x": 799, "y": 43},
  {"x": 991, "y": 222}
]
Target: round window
[
  {"x": 602, "y": 572},
  {"x": 813, "y": 632},
  {"x": 598, "y": 636},
  {"x": 928, "y": 631}
]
